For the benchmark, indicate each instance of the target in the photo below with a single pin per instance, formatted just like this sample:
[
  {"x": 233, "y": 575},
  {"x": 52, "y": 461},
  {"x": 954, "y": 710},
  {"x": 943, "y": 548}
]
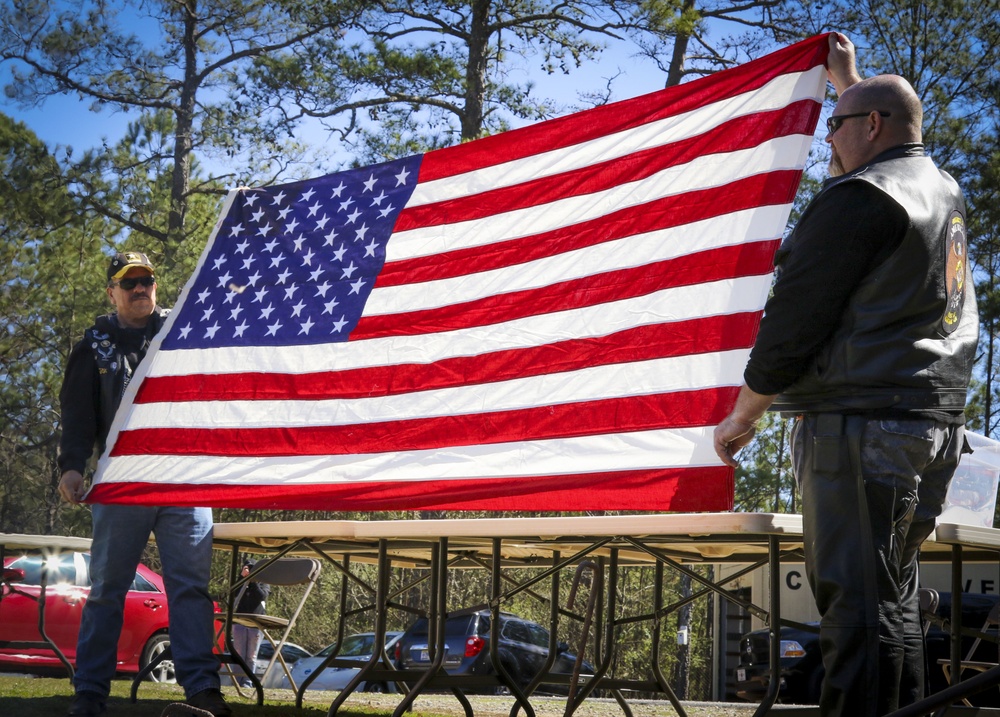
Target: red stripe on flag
[
  {"x": 682, "y": 338},
  {"x": 618, "y": 116},
  {"x": 770, "y": 189},
  {"x": 736, "y": 134},
  {"x": 754, "y": 259},
  {"x": 587, "y": 418},
  {"x": 708, "y": 488}
]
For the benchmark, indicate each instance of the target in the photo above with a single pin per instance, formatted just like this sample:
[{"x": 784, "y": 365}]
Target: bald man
[{"x": 868, "y": 341}]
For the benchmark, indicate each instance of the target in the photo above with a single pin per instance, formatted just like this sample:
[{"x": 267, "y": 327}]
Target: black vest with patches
[
  {"x": 113, "y": 369},
  {"x": 907, "y": 340}
]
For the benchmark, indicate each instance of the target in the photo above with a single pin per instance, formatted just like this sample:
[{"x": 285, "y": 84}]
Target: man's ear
[{"x": 877, "y": 128}]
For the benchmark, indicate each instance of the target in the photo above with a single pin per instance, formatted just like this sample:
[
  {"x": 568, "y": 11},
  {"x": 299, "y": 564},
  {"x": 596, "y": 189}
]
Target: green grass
[
  {"x": 50, "y": 697},
  {"x": 22, "y": 696}
]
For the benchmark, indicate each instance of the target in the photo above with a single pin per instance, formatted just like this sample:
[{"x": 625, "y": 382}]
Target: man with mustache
[{"x": 99, "y": 368}]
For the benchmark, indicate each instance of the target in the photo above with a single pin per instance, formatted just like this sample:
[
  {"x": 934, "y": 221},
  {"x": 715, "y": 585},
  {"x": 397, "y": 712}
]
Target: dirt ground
[{"x": 445, "y": 704}]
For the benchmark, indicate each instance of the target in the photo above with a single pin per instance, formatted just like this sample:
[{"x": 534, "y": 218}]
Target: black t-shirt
[{"x": 133, "y": 343}]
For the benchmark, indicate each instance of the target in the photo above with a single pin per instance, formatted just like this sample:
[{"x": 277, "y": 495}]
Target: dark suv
[
  {"x": 523, "y": 649},
  {"x": 802, "y": 666}
]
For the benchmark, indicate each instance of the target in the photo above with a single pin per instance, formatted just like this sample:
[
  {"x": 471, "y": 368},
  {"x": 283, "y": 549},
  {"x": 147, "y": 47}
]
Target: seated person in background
[{"x": 246, "y": 640}]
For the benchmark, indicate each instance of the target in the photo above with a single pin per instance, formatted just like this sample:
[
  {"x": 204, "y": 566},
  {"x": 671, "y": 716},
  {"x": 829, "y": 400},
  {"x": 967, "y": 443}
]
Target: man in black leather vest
[{"x": 868, "y": 340}]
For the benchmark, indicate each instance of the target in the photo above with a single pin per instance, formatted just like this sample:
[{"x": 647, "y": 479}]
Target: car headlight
[{"x": 791, "y": 648}]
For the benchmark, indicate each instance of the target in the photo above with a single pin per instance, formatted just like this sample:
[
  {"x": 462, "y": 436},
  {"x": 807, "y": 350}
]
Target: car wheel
[
  {"x": 164, "y": 671},
  {"x": 375, "y": 687},
  {"x": 511, "y": 670}
]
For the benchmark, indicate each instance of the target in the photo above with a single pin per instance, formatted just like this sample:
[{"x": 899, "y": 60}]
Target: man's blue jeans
[
  {"x": 184, "y": 541},
  {"x": 871, "y": 491}
]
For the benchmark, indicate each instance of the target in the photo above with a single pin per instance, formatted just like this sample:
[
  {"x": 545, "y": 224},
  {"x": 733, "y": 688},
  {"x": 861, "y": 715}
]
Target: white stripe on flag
[
  {"x": 669, "y": 305},
  {"x": 601, "y": 382},
  {"x": 566, "y": 456}
]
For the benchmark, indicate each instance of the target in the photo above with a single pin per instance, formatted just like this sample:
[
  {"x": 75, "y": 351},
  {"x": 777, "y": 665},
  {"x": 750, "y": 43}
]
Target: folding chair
[
  {"x": 968, "y": 663},
  {"x": 929, "y": 600},
  {"x": 283, "y": 571}
]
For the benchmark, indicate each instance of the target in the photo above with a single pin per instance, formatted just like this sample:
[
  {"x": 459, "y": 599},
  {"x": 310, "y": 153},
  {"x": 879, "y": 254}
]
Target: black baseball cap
[{"x": 123, "y": 261}]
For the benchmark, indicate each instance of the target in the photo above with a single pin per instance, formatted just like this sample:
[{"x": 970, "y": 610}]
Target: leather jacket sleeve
[
  {"x": 79, "y": 401},
  {"x": 846, "y": 232}
]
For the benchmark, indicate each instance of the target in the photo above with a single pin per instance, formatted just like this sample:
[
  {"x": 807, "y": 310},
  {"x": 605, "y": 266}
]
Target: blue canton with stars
[{"x": 295, "y": 263}]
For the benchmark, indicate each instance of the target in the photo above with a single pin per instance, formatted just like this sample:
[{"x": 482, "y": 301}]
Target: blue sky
[{"x": 67, "y": 121}]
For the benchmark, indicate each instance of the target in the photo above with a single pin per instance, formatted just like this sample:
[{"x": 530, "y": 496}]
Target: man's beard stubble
[{"x": 835, "y": 168}]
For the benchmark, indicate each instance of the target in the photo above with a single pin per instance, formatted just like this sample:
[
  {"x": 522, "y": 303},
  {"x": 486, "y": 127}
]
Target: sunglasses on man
[
  {"x": 833, "y": 123},
  {"x": 130, "y": 283}
]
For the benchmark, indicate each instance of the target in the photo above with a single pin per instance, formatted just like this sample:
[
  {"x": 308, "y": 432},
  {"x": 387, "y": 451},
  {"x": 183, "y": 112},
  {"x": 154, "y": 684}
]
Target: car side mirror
[
  {"x": 13, "y": 575},
  {"x": 562, "y": 647}
]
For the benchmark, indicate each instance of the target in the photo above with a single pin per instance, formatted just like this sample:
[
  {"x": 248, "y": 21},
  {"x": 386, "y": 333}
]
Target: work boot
[
  {"x": 211, "y": 700},
  {"x": 86, "y": 704}
]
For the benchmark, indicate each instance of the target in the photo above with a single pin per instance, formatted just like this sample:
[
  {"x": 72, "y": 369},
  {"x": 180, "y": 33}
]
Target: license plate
[
  {"x": 741, "y": 675},
  {"x": 424, "y": 656}
]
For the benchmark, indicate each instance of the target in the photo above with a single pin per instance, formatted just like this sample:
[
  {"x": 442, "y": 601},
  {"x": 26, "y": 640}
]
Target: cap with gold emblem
[{"x": 123, "y": 261}]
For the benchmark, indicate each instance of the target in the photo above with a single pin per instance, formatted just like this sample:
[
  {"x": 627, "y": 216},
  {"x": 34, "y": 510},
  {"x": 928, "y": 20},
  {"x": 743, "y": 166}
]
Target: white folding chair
[{"x": 280, "y": 572}]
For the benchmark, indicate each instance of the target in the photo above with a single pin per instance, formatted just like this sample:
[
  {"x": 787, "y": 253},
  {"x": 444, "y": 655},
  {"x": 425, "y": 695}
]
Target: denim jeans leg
[
  {"x": 120, "y": 534},
  {"x": 184, "y": 540}
]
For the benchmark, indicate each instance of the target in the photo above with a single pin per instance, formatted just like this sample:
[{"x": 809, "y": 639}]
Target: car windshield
[
  {"x": 355, "y": 646},
  {"x": 288, "y": 651},
  {"x": 59, "y": 569},
  {"x": 453, "y": 626}
]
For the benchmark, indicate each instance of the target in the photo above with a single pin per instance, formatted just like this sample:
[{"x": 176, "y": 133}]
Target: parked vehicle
[
  {"x": 144, "y": 632},
  {"x": 291, "y": 653},
  {"x": 523, "y": 648},
  {"x": 358, "y": 648},
  {"x": 802, "y": 667}
]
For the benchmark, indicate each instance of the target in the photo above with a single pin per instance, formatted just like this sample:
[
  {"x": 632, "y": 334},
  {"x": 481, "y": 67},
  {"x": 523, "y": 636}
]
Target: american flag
[{"x": 553, "y": 318}]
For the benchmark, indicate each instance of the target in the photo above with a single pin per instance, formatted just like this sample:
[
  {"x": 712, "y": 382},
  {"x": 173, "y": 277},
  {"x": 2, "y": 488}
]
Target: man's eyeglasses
[
  {"x": 131, "y": 283},
  {"x": 834, "y": 122}
]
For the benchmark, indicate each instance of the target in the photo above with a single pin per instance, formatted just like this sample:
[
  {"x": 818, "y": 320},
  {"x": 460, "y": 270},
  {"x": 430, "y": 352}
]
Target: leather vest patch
[
  {"x": 104, "y": 349},
  {"x": 956, "y": 270}
]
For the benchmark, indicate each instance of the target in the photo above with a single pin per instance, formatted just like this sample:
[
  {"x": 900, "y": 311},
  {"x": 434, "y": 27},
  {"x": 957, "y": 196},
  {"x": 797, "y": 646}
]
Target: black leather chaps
[{"x": 871, "y": 491}]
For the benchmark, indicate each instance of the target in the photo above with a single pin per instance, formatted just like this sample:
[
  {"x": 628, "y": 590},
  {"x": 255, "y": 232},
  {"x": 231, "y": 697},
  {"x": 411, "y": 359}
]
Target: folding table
[{"x": 548, "y": 544}]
